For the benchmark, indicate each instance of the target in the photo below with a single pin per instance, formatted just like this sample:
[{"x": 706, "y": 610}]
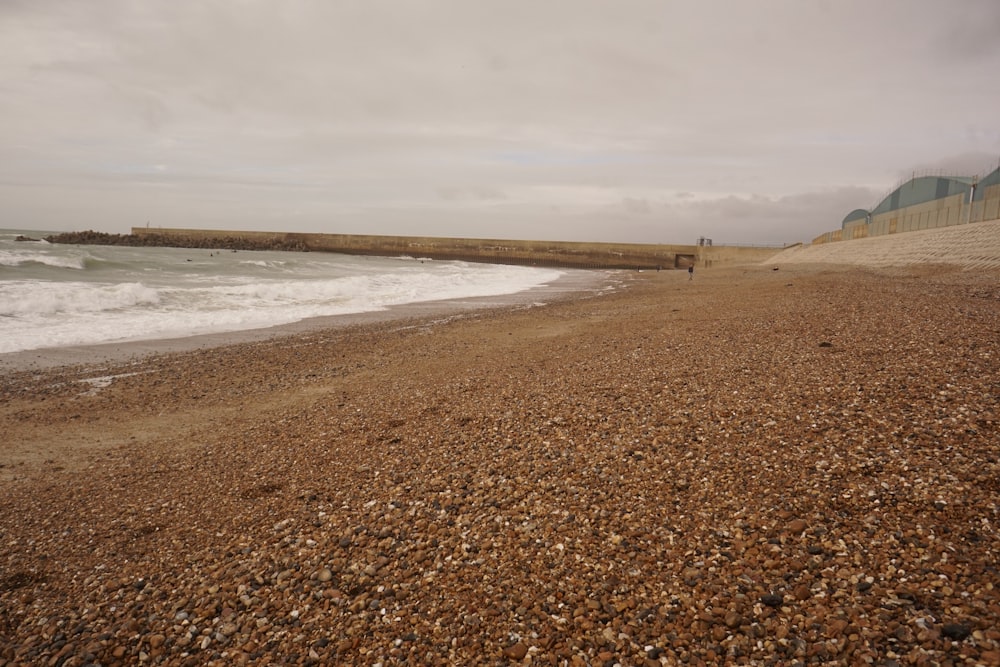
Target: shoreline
[
  {"x": 566, "y": 286},
  {"x": 756, "y": 466}
]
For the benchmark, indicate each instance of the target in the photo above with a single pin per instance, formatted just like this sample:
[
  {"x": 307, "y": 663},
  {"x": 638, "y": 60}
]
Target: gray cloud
[{"x": 638, "y": 121}]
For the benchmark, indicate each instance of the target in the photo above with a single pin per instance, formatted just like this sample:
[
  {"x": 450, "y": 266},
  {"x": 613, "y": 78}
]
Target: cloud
[
  {"x": 741, "y": 219},
  {"x": 481, "y": 194},
  {"x": 637, "y": 120},
  {"x": 964, "y": 164},
  {"x": 637, "y": 206}
]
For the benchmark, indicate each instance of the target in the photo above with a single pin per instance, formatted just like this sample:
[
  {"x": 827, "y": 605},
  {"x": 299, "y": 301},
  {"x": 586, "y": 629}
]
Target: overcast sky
[{"x": 629, "y": 121}]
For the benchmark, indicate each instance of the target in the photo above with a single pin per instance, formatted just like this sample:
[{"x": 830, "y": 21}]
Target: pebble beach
[{"x": 779, "y": 464}]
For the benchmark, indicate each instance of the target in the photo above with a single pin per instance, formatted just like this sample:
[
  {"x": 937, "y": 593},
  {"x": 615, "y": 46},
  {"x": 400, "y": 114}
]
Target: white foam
[
  {"x": 22, "y": 257},
  {"x": 212, "y": 298},
  {"x": 20, "y": 298}
]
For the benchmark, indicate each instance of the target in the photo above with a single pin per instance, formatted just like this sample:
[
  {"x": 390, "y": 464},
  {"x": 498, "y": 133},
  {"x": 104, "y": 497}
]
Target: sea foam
[{"x": 56, "y": 295}]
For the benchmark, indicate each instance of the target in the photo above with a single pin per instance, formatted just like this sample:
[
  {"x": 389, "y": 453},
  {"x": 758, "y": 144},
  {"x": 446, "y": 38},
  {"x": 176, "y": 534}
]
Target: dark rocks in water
[
  {"x": 91, "y": 237},
  {"x": 21, "y": 237}
]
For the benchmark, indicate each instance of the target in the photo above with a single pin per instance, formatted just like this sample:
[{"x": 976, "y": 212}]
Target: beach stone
[
  {"x": 772, "y": 600},
  {"x": 493, "y": 490},
  {"x": 796, "y": 526},
  {"x": 956, "y": 631},
  {"x": 516, "y": 651}
]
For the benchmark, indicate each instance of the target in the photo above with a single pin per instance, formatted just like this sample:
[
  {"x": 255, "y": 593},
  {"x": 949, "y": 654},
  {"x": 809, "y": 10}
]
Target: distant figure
[{"x": 691, "y": 272}]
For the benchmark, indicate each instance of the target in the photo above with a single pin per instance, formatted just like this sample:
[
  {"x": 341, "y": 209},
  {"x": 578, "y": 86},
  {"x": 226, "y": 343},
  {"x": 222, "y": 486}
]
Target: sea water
[{"x": 54, "y": 295}]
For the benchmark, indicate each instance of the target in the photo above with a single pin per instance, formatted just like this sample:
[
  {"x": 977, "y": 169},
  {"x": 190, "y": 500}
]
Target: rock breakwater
[{"x": 234, "y": 242}]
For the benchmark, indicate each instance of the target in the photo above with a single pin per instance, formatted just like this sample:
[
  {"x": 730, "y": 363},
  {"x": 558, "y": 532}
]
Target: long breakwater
[{"x": 568, "y": 254}]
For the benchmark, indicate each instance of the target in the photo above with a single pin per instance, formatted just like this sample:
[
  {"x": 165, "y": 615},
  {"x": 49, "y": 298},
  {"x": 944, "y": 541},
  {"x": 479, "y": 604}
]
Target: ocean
[{"x": 55, "y": 295}]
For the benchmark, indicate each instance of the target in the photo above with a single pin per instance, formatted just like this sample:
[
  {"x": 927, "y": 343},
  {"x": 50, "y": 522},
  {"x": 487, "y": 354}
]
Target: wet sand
[{"x": 755, "y": 467}]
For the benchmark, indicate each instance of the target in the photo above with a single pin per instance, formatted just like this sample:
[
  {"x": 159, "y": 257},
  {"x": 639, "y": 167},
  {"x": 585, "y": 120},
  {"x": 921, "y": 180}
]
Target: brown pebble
[
  {"x": 516, "y": 652},
  {"x": 615, "y": 477},
  {"x": 796, "y": 526}
]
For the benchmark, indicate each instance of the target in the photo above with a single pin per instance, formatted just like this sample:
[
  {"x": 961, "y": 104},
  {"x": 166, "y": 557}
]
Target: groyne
[{"x": 494, "y": 251}]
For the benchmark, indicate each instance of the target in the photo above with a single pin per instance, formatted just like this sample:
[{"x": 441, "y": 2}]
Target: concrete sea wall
[
  {"x": 494, "y": 251},
  {"x": 974, "y": 246}
]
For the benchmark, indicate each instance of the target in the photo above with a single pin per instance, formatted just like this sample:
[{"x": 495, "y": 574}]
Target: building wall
[
  {"x": 928, "y": 215},
  {"x": 857, "y": 229},
  {"x": 988, "y": 207},
  {"x": 954, "y": 209},
  {"x": 830, "y": 237}
]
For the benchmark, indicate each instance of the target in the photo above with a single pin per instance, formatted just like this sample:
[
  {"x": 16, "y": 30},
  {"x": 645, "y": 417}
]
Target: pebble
[
  {"x": 956, "y": 631},
  {"x": 797, "y": 526},
  {"x": 594, "y": 480},
  {"x": 772, "y": 600},
  {"x": 516, "y": 652}
]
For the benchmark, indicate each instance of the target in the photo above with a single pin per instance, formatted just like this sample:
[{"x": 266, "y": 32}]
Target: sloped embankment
[{"x": 974, "y": 246}]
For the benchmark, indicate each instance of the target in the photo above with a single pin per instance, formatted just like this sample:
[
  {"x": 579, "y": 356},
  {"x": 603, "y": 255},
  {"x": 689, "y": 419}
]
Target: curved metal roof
[
  {"x": 923, "y": 189},
  {"x": 856, "y": 214}
]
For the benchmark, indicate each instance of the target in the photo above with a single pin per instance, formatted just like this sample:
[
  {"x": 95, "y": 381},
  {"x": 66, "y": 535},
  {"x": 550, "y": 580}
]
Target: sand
[{"x": 758, "y": 466}]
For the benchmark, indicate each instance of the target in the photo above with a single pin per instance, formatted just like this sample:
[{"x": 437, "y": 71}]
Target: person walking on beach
[{"x": 691, "y": 272}]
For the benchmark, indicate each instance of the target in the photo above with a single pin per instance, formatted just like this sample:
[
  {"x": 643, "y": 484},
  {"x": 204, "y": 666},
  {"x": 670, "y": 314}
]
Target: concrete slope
[{"x": 972, "y": 246}]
